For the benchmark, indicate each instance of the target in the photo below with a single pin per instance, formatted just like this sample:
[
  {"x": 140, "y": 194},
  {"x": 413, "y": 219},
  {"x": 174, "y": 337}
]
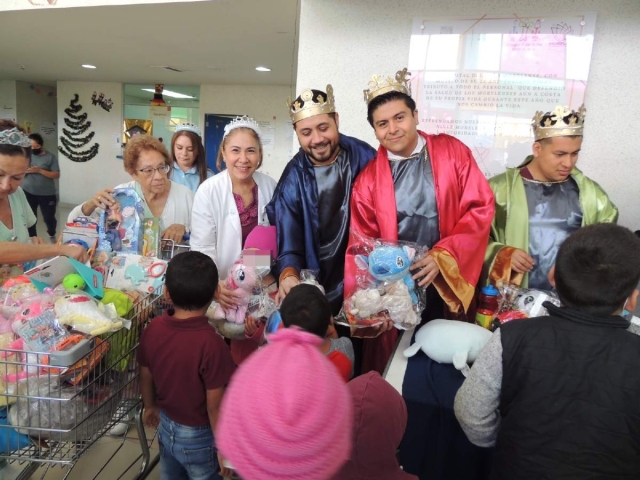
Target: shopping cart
[
  {"x": 56, "y": 413},
  {"x": 169, "y": 248}
]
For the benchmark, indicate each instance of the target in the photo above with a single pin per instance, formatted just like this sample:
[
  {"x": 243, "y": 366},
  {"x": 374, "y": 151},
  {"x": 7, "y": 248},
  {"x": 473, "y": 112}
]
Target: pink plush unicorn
[{"x": 242, "y": 279}]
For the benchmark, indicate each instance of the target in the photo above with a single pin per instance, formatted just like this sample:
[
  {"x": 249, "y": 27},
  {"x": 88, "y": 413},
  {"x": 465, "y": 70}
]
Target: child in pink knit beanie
[{"x": 287, "y": 414}]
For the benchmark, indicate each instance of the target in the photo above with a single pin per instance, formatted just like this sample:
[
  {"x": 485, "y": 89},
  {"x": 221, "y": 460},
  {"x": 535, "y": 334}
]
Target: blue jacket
[{"x": 294, "y": 206}]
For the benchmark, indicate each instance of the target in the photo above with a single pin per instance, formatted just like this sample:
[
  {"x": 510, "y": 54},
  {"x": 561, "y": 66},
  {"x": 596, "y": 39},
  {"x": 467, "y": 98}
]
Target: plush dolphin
[{"x": 450, "y": 341}]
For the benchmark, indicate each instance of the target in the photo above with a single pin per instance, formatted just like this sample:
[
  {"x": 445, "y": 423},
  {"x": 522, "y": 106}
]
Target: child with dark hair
[
  {"x": 184, "y": 368},
  {"x": 306, "y": 307},
  {"x": 558, "y": 395}
]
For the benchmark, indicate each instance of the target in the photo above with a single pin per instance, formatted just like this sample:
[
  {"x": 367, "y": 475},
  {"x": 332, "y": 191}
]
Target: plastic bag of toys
[
  {"x": 246, "y": 280},
  {"x": 311, "y": 277},
  {"x": 385, "y": 288},
  {"x": 516, "y": 303}
]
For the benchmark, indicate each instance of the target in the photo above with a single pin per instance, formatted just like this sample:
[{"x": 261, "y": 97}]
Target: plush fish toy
[{"x": 450, "y": 341}]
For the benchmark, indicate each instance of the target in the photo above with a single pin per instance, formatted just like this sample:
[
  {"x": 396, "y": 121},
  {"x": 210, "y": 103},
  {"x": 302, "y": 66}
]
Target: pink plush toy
[
  {"x": 242, "y": 280},
  {"x": 31, "y": 310}
]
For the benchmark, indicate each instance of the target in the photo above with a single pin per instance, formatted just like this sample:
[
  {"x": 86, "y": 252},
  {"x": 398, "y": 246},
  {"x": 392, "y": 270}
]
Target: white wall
[
  {"x": 80, "y": 181},
  {"x": 37, "y": 105},
  {"x": 344, "y": 43},
  {"x": 8, "y": 100},
  {"x": 260, "y": 102}
]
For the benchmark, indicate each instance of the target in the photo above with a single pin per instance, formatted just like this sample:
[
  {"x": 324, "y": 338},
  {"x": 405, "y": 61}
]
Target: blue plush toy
[{"x": 389, "y": 263}]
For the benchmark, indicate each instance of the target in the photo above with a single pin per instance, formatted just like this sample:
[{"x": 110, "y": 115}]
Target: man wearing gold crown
[
  {"x": 310, "y": 206},
  {"x": 541, "y": 202},
  {"x": 425, "y": 189}
]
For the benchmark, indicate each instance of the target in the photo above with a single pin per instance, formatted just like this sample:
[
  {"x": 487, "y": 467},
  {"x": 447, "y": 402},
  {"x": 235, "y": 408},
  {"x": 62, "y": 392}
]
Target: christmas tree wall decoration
[{"x": 74, "y": 139}]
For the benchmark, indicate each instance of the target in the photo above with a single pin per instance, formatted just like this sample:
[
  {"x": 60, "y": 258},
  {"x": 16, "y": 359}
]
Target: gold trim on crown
[
  {"x": 379, "y": 85},
  {"x": 556, "y": 126},
  {"x": 304, "y": 106}
]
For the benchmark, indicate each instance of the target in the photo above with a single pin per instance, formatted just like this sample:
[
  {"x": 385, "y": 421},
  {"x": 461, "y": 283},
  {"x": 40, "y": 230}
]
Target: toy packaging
[
  {"x": 82, "y": 231},
  {"x": 84, "y": 315},
  {"x": 54, "y": 271},
  {"x": 515, "y": 303},
  {"x": 122, "y": 223},
  {"x": 385, "y": 287},
  {"x": 151, "y": 237},
  {"x": 244, "y": 278},
  {"x": 144, "y": 274},
  {"x": 39, "y": 329}
]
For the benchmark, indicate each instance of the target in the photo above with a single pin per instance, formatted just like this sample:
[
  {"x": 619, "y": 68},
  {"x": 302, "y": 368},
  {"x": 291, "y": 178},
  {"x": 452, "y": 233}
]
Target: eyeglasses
[{"x": 148, "y": 172}]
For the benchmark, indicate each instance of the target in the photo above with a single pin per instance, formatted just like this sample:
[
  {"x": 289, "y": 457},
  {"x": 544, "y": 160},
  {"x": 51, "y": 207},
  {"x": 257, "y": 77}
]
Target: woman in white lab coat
[{"x": 232, "y": 203}]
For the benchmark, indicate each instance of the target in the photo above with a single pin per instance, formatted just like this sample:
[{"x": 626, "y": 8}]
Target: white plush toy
[
  {"x": 450, "y": 341},
  {"x": 394, "y": 298}
]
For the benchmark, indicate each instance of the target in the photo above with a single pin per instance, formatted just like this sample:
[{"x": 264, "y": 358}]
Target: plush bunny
[{"x": 242, "y": 280}]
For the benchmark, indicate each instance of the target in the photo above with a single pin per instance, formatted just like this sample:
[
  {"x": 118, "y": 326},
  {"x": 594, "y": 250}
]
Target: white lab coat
[{"x": 215, "y": 221}]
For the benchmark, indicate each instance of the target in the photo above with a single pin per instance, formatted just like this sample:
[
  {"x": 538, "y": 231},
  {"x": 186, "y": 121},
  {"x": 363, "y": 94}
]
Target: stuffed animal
[
  {"x": 450, "y": 341},
  {"x": 395, "y": 299},
  {"x": 242, "y": 279},
  {"x": 83, "y": 315},
  {"x": 393, "y": 290},
  {"x": 29, "y": 311},
  {"x": 388, "y": 263}
]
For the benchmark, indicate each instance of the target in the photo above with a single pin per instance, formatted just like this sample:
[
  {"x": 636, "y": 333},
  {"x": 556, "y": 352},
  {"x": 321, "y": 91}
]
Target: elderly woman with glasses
[{"x": 148, "y": 162}]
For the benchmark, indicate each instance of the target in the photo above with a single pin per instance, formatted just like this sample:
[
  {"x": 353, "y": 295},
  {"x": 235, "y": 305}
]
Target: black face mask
[{"x": 36, "y": 151}]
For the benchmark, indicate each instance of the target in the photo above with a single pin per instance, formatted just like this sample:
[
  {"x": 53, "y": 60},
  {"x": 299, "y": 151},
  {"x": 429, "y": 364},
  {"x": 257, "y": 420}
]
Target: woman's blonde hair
[
  {"x": 139, "y": 144},
  {"x": 220, "y": 157}
]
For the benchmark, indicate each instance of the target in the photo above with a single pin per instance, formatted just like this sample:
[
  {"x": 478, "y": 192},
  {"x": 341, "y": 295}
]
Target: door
[{"x": 213, "y": 132}]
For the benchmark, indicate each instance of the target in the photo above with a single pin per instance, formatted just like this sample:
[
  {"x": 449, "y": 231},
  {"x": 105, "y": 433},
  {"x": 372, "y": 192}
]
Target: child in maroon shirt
[{"x": 184, "y": 368}]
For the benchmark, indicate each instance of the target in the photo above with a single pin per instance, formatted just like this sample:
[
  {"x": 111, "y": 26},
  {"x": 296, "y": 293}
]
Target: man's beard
[{"x": 325, "y": 157}]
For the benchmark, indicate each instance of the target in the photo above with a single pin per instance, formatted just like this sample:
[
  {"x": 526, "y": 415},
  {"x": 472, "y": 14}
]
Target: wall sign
[{"x": 482, "y": 79}]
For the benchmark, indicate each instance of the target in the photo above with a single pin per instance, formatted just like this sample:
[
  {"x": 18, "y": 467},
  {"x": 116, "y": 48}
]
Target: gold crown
[
  {"x": 562, "y": 122},
  {"x": 305, "y": 106},
  {"x": 379, "y": 85}
]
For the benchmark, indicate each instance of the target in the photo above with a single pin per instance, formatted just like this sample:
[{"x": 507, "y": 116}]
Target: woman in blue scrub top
[{"x": 189, "y": 161}]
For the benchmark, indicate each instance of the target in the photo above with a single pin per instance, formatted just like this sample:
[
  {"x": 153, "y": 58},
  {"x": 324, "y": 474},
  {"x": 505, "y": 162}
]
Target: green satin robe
[{"x": 510, "y": 226}]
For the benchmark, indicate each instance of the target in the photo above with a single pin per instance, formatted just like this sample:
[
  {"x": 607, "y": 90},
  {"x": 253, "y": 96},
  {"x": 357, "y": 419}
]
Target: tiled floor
[
  {"x": 62, "y": 214},
  {"x": 95, "y": 459}
]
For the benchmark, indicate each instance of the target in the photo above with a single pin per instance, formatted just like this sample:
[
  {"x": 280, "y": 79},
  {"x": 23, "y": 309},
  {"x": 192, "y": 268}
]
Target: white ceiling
[{"x": 213, "y": 42}]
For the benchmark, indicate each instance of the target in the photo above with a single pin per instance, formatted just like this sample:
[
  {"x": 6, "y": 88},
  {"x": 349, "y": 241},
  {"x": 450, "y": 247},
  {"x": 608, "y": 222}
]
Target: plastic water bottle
[{"x": 487, "y": 306}]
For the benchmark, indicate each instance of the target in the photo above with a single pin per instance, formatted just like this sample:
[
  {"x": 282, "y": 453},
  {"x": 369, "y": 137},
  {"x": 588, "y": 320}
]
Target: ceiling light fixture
[
  {"x": 263, "y": 69},
  {"x": 169, "y": 93},
  {"x": 88, "y": 66}
]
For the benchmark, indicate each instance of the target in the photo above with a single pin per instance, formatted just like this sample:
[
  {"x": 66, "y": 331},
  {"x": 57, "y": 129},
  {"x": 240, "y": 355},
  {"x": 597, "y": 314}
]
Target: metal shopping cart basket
[{"x": 54, "y": 412}]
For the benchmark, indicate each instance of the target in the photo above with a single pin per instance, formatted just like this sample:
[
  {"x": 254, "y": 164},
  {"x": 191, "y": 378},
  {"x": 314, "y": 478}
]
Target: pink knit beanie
[{"x": 287, "y": 414}]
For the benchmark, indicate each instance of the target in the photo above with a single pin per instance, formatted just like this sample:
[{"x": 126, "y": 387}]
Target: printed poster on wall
[{"x": 481, "y": 79}]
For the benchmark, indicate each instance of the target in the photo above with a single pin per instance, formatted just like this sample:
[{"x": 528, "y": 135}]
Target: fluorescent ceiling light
[
  {"x": 169, "y": 93},
  {"x": 263, "y": 69},
  {"x": 88, "y": 66}
]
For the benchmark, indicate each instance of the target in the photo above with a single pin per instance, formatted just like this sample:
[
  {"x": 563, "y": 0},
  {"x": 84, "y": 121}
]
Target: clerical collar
[{"x": 416, "y": 151}]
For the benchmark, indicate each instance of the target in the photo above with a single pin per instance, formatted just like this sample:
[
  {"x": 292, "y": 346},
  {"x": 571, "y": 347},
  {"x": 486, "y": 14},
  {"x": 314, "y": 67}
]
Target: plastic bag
[
  {"x": 83, "y": 314},
  {"x": 311, "y": 277},
  {"x": 48, "y": 406},
  {"x": 516, "y": 303},
  {"x": 245, "y": 281},
  {"x": 385, "y": 287}
]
